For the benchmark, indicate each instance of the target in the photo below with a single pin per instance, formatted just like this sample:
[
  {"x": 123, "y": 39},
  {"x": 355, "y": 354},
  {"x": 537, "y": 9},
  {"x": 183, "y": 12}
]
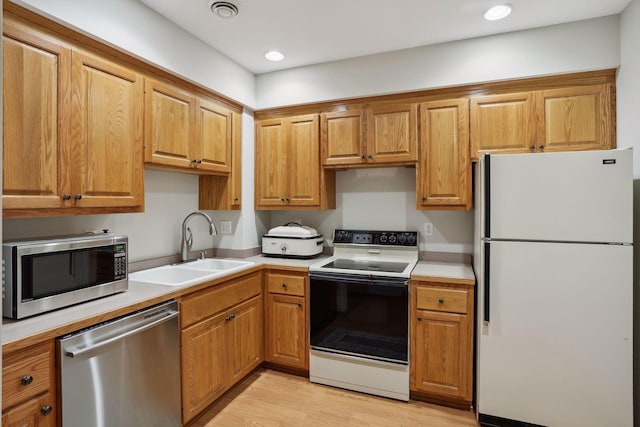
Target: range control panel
[{"x": 383, "y": 238}]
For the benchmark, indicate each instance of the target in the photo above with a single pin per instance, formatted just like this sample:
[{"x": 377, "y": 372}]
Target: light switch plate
[
  {"x": 428, "y": 229},
  {"x": 225, "y": 227}
]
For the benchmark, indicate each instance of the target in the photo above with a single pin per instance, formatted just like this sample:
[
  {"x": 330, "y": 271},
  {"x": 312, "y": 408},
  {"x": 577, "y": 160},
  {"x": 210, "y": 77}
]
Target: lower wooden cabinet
[
  {"x": 221, "y": 340},
  {"x": 286, "y": 330},
  {"x": 442, "y": 342},
  {"x": 28, "y": 387}
]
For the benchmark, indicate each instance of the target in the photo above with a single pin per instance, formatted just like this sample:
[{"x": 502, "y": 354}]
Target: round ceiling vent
[{"x": 223, "y": 9}]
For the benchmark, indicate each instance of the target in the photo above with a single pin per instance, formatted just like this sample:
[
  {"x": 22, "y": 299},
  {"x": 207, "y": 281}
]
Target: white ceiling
[{"x": 314, "y": 31}]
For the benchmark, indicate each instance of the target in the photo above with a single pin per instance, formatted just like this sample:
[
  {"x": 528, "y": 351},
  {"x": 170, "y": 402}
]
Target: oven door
[{"x": 360, "y": 315}]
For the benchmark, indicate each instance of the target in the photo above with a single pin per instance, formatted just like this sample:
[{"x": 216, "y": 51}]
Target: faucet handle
[
  {"x": 188, "y": 238},
  {"x": 203, "y": 254}
]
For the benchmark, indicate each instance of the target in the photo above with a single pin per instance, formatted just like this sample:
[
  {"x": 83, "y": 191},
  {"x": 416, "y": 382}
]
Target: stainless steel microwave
[{"x": 41, "y": 275}]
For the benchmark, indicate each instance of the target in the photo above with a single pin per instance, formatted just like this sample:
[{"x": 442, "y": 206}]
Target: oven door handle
[{"x": 398, "y": 282}]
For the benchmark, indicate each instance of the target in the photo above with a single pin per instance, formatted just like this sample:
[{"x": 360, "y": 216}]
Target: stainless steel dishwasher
[{"x": 124, "y": 372}]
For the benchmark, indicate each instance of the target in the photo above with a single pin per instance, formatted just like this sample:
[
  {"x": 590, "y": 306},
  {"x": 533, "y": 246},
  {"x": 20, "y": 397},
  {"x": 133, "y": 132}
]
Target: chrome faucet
[{"x": 187, "y": 236}]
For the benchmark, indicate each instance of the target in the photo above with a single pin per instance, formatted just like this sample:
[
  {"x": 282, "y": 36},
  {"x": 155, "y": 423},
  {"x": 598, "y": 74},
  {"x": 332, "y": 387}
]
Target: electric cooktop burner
[{"x": 385, "y": 266}]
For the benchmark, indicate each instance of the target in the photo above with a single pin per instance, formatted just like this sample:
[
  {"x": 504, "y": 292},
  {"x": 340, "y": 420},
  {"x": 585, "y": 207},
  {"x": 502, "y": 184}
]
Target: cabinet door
[
  {"x": 444, "y": 169},
  {"x": 35, "y": 79},
  {"x": 286, "y": 331},
  {"x": 342, "y": 138},
  {"x": 392, "y": 133},
  {"x": 247, "y": 337},
  {"x": 37, "y": 412},
  {"x": 502, "y": 124},
  {"x": 442, "y": 365},
  {"x": 169, "y": 116},
  {"x": 575, "y": 118},
  {"x": 212, "y": 145},
  {"x": 107, "y": 132},
  {"x": 303, "y": 165},
  {"x": 271, "y": 174},
  {"x": 205, "y": 361}
]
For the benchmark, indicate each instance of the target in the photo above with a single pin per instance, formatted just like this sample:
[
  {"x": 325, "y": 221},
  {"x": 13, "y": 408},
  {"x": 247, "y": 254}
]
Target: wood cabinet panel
[
  {"x": 271, "y": 162},
  {"x": 247, "y": 343},
  {"x": 303, "y": 165},
  {"x": 107, "y": 133},
  {"x": 392, "y": 133},
  {"x": 286, "y": 284},
  {"x": 574, "y": 118},
  {"x": 444, "y": 168},
  {"x": 286, "y": 333},
  {"x": 205, "y": 361},
  {"x": 169, "y": 124},
  {"x": 37, "y": 412},
  {"x": 502, "y": 123},
  {"x": 36, "y": 99},
  {"x": 343, "y": 137},
  {"x": 212, "y": 146},
  {"x": 442, "y": 342}
]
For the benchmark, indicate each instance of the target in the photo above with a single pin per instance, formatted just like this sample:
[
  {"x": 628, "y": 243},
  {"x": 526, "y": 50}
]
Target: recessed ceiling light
[
  {"x": 223, "y": 9},
  {"x": 274, "y": 55},
  {"x": 497, "y": 12}
]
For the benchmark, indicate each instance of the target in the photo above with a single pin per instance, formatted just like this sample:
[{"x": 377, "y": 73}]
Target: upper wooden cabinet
[
  {"x": 562, "y": 119},
  {"x": 287, "y": 165},
  {"x": 72, "y": 129},
  {"x": 185, "y": 131},
  {"x": 220, "y": 192},
  {"x": 574, "y": 118},
  {"x": 379, "y": 134},
  {"x": 444, "y": 169},
  {"x": 502, "y": 123}
]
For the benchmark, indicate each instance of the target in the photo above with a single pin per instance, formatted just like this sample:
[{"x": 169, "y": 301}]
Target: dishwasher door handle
[{"x": 79, "y": 352}]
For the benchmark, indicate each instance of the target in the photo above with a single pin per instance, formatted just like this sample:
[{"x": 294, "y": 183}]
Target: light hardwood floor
[{"x": 271, "y": 398}]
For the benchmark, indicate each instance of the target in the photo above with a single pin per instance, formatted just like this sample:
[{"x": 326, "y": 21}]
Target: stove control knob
[
  {"x": 347, "y": 237},
  {"x": 383, "y": 238},
  {"x": 411, "y": 239},
  {"x": 402, "y": 238},
  {"x": 393, "y": 238}
]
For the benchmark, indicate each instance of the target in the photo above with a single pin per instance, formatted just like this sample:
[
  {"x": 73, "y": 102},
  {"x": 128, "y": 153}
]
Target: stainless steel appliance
[
  {"x": 40, "y": 275},
  {"x": 554, "y": 260},
  {"x": 292, "y": 240},
  {"x": 124, "y": 372},
  {"x": 359, "y": 310}
]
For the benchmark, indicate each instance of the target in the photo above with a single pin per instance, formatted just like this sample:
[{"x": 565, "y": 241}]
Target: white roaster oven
[{"x": 292, "y": 240}]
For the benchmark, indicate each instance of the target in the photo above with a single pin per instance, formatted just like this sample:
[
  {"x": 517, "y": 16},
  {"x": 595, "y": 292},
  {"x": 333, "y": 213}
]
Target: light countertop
[{"x": 449, "y": 272}]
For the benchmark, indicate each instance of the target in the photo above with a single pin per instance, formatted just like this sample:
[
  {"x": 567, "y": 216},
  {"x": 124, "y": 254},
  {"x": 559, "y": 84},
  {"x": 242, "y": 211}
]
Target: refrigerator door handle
[
  {"x": 487, "y": 195},
  {"x": 487, "y": 282}
]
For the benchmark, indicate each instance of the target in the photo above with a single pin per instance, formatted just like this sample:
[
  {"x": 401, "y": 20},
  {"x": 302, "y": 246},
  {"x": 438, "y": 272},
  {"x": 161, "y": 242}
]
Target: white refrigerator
[{"x": 553, "y": 259}]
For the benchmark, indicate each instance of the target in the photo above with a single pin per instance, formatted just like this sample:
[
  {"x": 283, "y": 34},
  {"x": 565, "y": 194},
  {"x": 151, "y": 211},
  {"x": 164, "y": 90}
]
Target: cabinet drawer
[
  {"x": 202, "y": 304},
  {"x": 440, "y": 299},
  {"x": 285, "y": 284},
  {"x": 25, "y": 377}
]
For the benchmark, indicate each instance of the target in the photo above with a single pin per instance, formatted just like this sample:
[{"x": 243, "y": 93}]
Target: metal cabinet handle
[
  {"x": 26, "y": 380},
  {"x": 282, "y": 199},
  {"x": 541, "y": 147},
  {"x": 369, "y": 156},
  {"x": 66, "y": 197},
  {"x": 300, "y": 304},
  {"x": 199, "y": 161},
  {"x": 288, "y": 200},
  {"x": 532, "y": 148},
  {"x": 235, "y": 199},
  {"x": 284, "y": 285},
  {"x": 419, "y": 319},
  {"x": 424, "y": 198},
  {"x": 441, "y": 300},
  {"x": 46, "y": 410},
  {"x": 78, "y": 197},
  {"x": 363, "y": 157},
  {"x": 194, "y": 160}
]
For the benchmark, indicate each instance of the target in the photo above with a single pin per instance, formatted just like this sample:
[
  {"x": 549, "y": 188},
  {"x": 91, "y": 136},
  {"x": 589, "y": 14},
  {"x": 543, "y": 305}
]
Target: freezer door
[
  {"x": 557, "y": 350},
  {"x": 576, "y": 196}
]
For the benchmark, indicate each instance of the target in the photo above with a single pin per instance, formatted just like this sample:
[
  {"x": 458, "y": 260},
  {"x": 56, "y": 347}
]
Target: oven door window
[
  {"x": 360, "y": 317},
  {"x": 55, "y": 273}
]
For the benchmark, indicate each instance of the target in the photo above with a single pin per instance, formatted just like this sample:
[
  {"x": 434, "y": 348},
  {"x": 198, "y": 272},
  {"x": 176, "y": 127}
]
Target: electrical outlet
[
  {"x": 225, "y": 227},
  {"x": 428, "y": 229}
]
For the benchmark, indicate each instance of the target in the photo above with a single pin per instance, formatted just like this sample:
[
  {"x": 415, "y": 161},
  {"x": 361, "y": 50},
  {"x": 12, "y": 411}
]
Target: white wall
[
  {"x": 135, "y": 28},
  {"x": 579, "y": 46},
  {"x": 628, "y": 114},
  {"x": 385, "y": 199}
]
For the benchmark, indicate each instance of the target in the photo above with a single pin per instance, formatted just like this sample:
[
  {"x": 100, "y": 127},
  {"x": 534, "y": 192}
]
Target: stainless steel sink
[{"x": 188, "y": 273}]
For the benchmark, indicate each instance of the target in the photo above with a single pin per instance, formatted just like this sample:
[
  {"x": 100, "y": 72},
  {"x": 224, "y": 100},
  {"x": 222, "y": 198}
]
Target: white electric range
[{"x": 359, "y": 311}]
